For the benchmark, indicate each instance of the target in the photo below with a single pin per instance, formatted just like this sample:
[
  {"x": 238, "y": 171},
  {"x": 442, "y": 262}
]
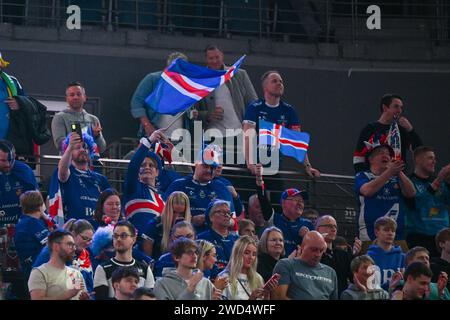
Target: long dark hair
[{"x": 98, "y": 215}]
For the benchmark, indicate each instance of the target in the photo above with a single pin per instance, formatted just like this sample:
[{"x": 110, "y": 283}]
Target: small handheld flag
[{"x": 291, "y": 143}]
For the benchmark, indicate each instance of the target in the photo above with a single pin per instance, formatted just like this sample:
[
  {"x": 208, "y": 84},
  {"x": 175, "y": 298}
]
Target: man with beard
[
  {"x": 80, "y": 187},
  {"x": 305, "y": 278},
  {"x": 124, "y": 238},
  {"x": 75, "y": 113},
  {"x": 54, "y": 280}
]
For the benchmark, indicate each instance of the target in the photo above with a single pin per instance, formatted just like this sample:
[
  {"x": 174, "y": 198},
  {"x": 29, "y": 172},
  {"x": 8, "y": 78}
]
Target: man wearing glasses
[
  {"x": 294, "y": 227},
  {"x": 124, "y": 238},
  {"x": 54, "y": 280},
  {"x": 337, "y": 259},
  {"x": 219, "y": 233}
]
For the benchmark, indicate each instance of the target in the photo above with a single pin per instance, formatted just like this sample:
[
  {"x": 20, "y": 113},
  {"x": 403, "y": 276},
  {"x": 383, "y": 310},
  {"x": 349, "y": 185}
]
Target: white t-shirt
[
  {"x": 230, "y": 119},
  {"x": 55, "y": 281},
  {"x": 243, "y": 289},
  {"x": 166, "y": 119}
]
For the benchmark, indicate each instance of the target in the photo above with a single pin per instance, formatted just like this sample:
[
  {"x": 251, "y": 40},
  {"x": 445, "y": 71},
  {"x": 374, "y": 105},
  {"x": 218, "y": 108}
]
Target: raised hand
[
  {"x": 97, "y": 129},
  {"x": 395, "y": 167},
  {"x": 405, "y": 124}
]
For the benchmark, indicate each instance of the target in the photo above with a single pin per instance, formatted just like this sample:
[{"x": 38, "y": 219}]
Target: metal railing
[
  {"x": 328, "y": 194},
  {"x": 289, "y": 20}
]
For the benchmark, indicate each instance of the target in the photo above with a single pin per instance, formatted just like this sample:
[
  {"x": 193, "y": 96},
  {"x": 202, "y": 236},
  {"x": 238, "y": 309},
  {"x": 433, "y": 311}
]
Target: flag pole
[{"x": 175, "y": 119}]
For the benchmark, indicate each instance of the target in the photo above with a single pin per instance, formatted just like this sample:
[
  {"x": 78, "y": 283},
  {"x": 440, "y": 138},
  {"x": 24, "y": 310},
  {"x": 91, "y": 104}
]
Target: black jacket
[
  {"x": 266, "y": 264},
  {"x": 340, "y": 261},
  {"x": 437, "y": 265},
  {"x": 28, "y": 125}
]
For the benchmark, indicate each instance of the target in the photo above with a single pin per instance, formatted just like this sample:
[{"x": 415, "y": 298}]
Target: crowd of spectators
[{"x": 171, "y": 236}]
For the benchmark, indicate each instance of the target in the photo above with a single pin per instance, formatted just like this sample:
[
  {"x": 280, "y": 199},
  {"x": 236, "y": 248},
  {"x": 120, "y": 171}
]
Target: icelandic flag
[
  {"x": 55, "y": 205},
  {"x": 291, "y": 143},
  {"x": 182, "y": 84}
]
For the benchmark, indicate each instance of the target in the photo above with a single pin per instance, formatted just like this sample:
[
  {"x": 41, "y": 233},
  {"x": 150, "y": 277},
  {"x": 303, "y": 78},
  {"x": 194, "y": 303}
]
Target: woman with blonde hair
[
  {"x": 156, "y": 235},
  {"x": 245, "y": 283}
]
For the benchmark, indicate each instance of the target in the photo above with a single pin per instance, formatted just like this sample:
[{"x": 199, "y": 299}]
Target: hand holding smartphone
[
  {"x": 76, "y": 127},
  {"x": 268, "y": 284}
]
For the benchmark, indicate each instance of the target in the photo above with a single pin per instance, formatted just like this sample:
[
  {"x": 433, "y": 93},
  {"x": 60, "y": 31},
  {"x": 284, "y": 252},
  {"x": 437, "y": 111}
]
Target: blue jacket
[
  {"x": 389, "y": 262},
  {"x": 30, "y": 237},
  {"x": 142, "y": 203},
  {"x": 291, "y": 230}
]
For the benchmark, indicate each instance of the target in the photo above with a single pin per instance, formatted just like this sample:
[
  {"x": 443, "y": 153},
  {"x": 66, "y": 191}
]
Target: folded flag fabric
[
  {"x": 55, "y": 208},
  {"x": 291, "y": 143},
  {"x": 182, "y": 84}
]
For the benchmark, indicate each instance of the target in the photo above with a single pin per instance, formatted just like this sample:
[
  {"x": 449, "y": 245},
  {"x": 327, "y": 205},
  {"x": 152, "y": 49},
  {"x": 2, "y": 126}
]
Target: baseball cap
[{"x": 292, "y": 192}]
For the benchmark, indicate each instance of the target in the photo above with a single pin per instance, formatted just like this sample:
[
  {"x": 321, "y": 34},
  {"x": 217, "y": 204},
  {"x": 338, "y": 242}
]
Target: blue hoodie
[{"x": 389, "y": 262}]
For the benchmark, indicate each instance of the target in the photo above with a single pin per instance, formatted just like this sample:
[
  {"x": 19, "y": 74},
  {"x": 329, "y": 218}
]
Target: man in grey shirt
[
  {"x": 305, "y": 278},
  {"x": 226, "y": 105},
  {"x": 62, "y": 121}
]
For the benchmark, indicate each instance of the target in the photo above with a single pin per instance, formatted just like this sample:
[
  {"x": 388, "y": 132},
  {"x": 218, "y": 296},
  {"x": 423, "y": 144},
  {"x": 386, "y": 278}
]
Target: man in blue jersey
[
  {"x": 427, "y": 213},
  {"x": 294, "y": 227},
  {"x": 380, "y": 192},
  {"x": 80, "y": 187},
  {"x": 201, "y": 188},
  {"x": 272, "y": 109},
  {"x": 15, "y": 178},
  {"x": 219, "y": 233}
]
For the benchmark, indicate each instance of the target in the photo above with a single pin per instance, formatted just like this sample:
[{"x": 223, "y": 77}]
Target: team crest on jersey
[
  {"x": 7, "y": 187},
  {"x": 202, "y": 194}
]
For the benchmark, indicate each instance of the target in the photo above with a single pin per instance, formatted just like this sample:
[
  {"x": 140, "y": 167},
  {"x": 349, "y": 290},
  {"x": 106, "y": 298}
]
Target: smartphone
[
  {"x": 276, "y": 276},
  {"x": 76, "y": 127}
]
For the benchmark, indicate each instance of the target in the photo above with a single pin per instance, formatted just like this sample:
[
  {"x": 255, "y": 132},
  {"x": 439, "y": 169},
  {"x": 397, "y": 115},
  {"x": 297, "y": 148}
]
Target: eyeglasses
[
  {"x": 85, "y": 238},
  {"x": 331, "y": 226},
  {"x": 224, "y": 213},
  {"x": 122, "y": 236},
  {"x": 71, "y": 245}
]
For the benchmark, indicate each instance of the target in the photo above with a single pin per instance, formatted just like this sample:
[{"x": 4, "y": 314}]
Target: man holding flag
[
  {"x": 273, "y": 111},
  {"x": 150, "y": 119}
]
